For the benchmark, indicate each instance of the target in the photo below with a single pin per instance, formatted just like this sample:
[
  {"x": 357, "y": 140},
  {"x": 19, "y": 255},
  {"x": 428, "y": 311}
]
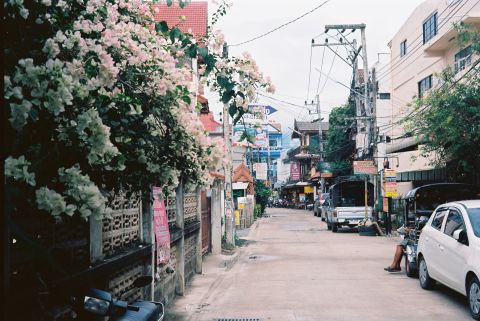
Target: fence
[{"x": 73, "y": 255}]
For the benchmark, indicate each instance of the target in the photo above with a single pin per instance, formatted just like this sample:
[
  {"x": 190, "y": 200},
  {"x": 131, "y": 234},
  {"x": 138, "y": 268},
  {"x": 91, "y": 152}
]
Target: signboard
[
  {"x": 364, "y": 167},
  {"x": 390, "y": 173},
  {"x": 259, "y": 135},
  {"x": 258, "y": 112},
  {"x": 261, "y": 171},
  {"x": 241, "y": 202},
  {"x": 301, "y": 197},
  {"x": 237, "y": 217},
  {"x": 385, "y": 205},
  {"x": 390, "y": 189},
  {"x": 160, "y": 221},
  {"x": 295, "y": 171},
  {"x": 308, "y": 189}
]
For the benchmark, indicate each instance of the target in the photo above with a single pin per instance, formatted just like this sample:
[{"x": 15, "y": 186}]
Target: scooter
[{"x": 98, "y": 304}]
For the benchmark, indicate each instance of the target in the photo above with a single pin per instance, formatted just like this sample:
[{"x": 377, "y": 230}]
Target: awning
[
  {"x": 240, "y": 185},
  {"x": 406, "y": 145},
  {"x": 302, "y": 184}
]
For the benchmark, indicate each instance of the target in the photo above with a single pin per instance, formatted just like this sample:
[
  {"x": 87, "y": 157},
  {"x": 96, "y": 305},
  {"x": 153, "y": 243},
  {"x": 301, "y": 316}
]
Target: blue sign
[{"x": 270, "y": 110}]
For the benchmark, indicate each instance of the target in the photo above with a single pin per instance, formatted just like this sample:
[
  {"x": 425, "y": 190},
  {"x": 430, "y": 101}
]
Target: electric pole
[{"x": 227, "y": 136}]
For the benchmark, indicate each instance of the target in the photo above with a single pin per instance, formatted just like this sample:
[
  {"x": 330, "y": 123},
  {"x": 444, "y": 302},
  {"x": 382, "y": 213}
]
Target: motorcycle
[{"x": 98, "y": 304}]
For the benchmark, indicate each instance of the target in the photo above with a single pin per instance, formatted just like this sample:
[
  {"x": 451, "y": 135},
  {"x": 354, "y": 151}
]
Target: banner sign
[
  {"x": 160, "y": 221},
  {"x": 364, "y": 167},
  {"x": 237, "y": 217},
  {"x": 294, "y": 171},
  {"x": 308, "y": 189},
  {"x": 301, "y": 197},
  {"x": 390, "y": 189},
  {"x": 259, "y": 135},
  {"x": 261, "y": 171}
]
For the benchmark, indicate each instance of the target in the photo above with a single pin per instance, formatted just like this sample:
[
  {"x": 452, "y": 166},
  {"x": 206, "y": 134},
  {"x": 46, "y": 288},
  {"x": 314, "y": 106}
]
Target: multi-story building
[
  {"x": 424, "y": 46},
  {"x": 303, "y": 160}
]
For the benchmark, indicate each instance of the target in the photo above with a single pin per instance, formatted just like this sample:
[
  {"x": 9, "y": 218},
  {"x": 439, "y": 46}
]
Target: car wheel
[
  {"x": 411, "y": 273},
  {"x": 426, "y": 282},
  {"x": 473, "y": 293},
  {"x": 334, "y": 228}
]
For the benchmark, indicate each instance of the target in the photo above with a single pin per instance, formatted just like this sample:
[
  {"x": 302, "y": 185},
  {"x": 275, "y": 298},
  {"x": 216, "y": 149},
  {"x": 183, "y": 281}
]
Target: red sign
[
  {"x": 294, "y": 171},
  {"x": 160, "y": 221}
]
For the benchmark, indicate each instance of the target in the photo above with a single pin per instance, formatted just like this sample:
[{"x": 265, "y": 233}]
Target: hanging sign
[
  {"x": 364, "y": 167},
  {"x": 294, "y": 171},
  {"x": 160, "y": 221}
]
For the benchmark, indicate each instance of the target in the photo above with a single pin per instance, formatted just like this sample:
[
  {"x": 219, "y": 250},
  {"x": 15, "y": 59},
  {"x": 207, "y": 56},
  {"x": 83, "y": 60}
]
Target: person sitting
[
  {"x": 397, "y": 258},
  {"x": 400, "y": 248}
]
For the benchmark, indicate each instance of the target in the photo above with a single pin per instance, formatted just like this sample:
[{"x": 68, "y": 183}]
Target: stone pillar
[
  {"x": 148, "y": 236},
  {"x": 96, "y": 240},
  {"x": 198, "y": 266},
  {"x": 180, "y": 288},
  {"x": 216, "y": 218}
]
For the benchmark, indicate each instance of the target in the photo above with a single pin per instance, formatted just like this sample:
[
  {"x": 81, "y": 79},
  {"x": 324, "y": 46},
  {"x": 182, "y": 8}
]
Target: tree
[
  {"x": 339, "y": 147},
  {"x": 262, "y": 194},
  {"x": 448, "y": 117}
]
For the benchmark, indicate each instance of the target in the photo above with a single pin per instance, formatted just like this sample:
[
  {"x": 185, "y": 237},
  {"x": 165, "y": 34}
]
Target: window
[
  {"x": 403, "y": 48},
  {"x": 430, "y": 28},
  {"x": 474, "y": 215},
  {"x": 424, "y": 85},
  {"x": 273, "y": 143},
  {"x": 438, "y": 219},
  {"x": 463, "y": 59},
  {"x": 454, "y": 222},
  {"x": 384, "y": 96}
]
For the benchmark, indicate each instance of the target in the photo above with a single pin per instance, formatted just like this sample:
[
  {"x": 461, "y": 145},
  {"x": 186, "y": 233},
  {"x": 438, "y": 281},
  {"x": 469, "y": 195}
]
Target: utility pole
[
  {"x": 320, "y": 142},
  {"x": 227, "y": 136},
  {"x": 367, "y": 107}
]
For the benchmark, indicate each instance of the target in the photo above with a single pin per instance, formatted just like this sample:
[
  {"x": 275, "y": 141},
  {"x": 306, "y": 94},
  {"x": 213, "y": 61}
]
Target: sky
[{"x": 284, "y": 55}]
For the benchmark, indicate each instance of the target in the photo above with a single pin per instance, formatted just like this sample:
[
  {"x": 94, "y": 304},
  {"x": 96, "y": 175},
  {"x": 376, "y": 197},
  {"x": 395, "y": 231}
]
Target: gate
[{"x": 206, "y": 223}]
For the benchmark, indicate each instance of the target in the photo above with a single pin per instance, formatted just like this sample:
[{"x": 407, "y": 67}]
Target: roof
[
  {"x": 308, "y": 127},
  {"x": 277, "y": 126},
  {"x": 195, "y": 13},
  {"x": 449, "y": 190},
  {"x": 242, "y": 174},
  {"x": 209, "y": 123}
]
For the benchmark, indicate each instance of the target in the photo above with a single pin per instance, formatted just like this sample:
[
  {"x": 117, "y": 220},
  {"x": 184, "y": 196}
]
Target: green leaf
[
  {"x": 169, "y": 2},
  {"x": 175, "y": 33},
  {"x": 232, "y": 110},
  {"x": 187, "y": 99},
  {"x": 192, "y": 51},
  {"x": 161, "y": 26},
  {"x": 227, "y": 96},
  {"x": 203, "y": 52}
]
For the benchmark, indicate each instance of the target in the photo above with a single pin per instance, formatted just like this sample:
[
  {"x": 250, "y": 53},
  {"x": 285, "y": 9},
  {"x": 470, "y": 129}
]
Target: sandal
[{"x": 389, "y": 269}]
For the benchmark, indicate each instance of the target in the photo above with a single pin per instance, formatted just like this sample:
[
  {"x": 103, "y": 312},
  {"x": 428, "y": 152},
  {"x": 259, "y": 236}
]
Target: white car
[{"x": 449, "y": 250}]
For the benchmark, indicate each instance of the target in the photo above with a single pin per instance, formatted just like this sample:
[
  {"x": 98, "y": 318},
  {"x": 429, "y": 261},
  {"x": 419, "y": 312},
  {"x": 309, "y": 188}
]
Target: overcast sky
[{"x": 285, "y": 54}]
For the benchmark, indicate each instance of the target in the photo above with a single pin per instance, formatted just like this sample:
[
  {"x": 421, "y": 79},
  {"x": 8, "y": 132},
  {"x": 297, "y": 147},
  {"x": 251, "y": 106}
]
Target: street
[{"x": 293, "y": 268}]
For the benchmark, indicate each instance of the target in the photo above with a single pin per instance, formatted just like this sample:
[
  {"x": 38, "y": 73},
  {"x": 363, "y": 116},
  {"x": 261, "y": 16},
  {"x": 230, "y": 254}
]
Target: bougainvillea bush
[{"x": 99, "y": 96}]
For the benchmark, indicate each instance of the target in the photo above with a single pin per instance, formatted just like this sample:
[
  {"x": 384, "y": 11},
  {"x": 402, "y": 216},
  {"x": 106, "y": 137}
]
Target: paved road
[{"x": 293, "y": 268}]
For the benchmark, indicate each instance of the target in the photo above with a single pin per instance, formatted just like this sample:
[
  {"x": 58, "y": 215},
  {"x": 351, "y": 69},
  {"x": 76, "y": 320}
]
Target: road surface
[{"x": 293, "y": 268}]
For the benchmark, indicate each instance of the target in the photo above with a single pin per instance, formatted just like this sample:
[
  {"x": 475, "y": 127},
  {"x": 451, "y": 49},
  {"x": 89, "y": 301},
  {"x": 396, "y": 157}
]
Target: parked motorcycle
[{"x": 98, "y": 304}]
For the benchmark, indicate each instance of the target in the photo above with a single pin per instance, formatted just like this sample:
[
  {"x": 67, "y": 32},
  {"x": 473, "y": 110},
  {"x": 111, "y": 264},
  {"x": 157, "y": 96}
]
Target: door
[
  {"x": 433, "y": 234},
  {"x": 453, "y": 255},
  {"x": 206, "y": 223}
]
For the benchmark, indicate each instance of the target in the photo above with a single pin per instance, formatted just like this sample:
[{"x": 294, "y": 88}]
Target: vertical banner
[
  {"x": 294, "y": 171},
  {"x": 160, "y": 221},
  {"x": 261, "y": 171}
]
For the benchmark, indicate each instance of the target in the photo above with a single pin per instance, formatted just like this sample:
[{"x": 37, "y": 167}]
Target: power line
[{"x": 281, "y": 26}]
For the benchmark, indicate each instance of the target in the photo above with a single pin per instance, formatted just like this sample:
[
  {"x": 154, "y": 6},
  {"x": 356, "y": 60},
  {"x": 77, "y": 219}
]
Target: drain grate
[{"x": 236, "y": 319}]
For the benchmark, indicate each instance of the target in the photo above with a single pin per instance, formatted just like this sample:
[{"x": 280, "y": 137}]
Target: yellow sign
[
  {"x": 241, "y": 206},
  {"x": 308, "y": 189},
  {"x": 237, "y": 217},
  {"x": 391, "y": 189}
]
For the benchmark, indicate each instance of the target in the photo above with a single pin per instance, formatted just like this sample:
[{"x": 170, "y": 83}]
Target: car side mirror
[{"x": 461, "y": 236}]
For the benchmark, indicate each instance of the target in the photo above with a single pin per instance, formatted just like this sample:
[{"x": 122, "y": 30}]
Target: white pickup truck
[{"x": 347, "y": 204}]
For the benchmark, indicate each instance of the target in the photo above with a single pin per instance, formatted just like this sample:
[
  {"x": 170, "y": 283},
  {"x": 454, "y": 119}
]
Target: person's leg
[{"x": 397, "y": 259}]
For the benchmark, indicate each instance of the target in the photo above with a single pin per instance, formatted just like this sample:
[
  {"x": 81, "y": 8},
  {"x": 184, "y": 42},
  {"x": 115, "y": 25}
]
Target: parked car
[
  {"x": 449, "y": 250},
  {"x": 347, "y": 203}
]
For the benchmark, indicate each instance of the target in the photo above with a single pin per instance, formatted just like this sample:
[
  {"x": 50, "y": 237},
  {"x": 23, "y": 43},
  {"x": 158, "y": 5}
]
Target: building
[
  {"x": 303, "y": 160},
  {"x": 423, "y": 47}
]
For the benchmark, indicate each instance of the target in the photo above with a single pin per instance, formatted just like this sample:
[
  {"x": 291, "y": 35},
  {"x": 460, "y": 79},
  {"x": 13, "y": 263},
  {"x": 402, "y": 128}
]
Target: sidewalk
[{"x": 214, "y": 270}]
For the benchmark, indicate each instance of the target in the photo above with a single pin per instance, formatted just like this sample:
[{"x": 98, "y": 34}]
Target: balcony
[{"x": 305, "y": 152}]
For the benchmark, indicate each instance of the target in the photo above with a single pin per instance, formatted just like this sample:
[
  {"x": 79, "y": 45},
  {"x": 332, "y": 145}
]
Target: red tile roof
[
  {"x": 195, "y": 13},
  {"x": 210, "y": 124}
]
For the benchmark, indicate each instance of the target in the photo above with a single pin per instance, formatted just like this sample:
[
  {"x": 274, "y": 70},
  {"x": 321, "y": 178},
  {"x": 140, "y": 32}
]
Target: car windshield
[{"x": 474, "y": 215}]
